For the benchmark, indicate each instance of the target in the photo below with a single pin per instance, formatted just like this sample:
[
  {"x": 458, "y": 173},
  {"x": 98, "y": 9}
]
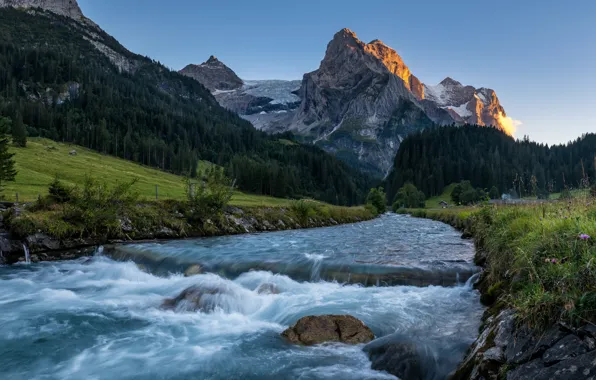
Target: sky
[{"x": 538, "y": 55}]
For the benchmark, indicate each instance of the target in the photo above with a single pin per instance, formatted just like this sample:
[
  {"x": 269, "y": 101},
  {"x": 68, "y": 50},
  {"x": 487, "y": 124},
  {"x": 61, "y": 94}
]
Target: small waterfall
[
  {"x": 472, "y": 280},
  {"x": 315, "y": 273},
  {"x": 98, "y": 250},
  {"x": 27, "y": 255}
]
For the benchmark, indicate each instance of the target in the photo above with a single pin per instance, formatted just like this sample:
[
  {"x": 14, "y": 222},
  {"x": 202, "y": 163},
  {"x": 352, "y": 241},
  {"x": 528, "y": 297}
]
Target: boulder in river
[
  {"x": 193, "y": 270},
  {"x": 195, "y": 298},
  {"x": 399, "y": 357},
  {"x": 268, "y": 288},
  {"x": 318, "y": 329}
]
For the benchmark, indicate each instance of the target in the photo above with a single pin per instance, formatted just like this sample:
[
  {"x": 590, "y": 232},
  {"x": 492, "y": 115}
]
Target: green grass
[
  {"x": 435, "y": 201},
  {"x": 43, "y": 159},
  {"x": 535, "y": 257}
]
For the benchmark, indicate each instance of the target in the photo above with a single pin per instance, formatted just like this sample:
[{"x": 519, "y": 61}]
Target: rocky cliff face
[
  {"x": 68, "y": 8},
  {"x": 466, "y": 104}
]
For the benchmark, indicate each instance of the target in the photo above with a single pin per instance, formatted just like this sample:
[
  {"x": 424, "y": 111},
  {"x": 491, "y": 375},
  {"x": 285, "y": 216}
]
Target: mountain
[
  {"x": 268, "y": 104},
  {"x": 468, "y": 105},
  {"x": 70, "y": 81},
  {"x": 361, "y": 102},
  {"x": 68, "y": 8}
]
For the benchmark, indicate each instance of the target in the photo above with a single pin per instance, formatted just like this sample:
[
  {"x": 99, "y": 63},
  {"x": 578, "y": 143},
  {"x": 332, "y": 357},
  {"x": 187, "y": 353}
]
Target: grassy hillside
[
  {"x": 43, "y": 159},
  {"x": 434, "y": 202}
]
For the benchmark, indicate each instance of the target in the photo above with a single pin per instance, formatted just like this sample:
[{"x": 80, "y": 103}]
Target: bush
[
  {"x": 409, "y": 197},
  {"x": 465, "y": 194},
  {"x": 209, "y": 197},
  {"x": 377, "y": 199},
  {"x": 303, "y": 209},
  {"x": 593, "y": 190},
  {"x": 58, "y": 192},
  {"x": 494, "y": 193}
]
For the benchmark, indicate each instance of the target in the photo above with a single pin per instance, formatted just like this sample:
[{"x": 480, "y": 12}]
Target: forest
[
  {"x": 485, "y": 156},
  {"x": 54, "y": 81}
]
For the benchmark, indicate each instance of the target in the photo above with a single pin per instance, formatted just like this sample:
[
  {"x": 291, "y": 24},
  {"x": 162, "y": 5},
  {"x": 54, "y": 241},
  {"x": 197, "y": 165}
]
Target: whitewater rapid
[{"x": 97, "y": 318}]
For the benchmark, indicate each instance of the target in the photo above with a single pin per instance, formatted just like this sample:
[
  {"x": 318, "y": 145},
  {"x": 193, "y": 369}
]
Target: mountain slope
[
  {"x": 71, "y": 81},
  {"x": 433, "y": 159}
]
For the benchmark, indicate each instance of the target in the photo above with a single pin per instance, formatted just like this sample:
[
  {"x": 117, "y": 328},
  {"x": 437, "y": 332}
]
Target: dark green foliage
[
  {"x": 58, "y": 192},
  {"x": 19, "y": 132},
  {"x": 494, "y": 193},
  {"x": 67, "y": 90},
  {"x": 377, "y": 200},
  {"x": 465, "y": 194},
  {"x": 409, "y": 197},
  {"x": 593, "y": 190},
  {"x": 435, "y": 158},
  {"x": 7, "y": 169},
  {"x": 208, "y": 197}
]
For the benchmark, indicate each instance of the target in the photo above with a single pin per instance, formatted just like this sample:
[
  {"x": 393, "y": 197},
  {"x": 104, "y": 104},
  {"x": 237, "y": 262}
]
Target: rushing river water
[{"x": 100, "y": 318}]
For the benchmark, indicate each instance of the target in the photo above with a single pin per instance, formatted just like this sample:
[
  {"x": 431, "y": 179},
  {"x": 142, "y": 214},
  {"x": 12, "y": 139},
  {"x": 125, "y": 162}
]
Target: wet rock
[
  {"x": 582, "y": 367},
  {"x": 313, "y": 330},
  {"x": 568, "y": 347},
  {"x": 397, "y": 357},
  {"x": 166, "y": 233},
  {"x": 527, "y": 344},
  {"x": 193, "y": 270},
  {"x": 268, "y": 288},
  {"x": 195, "y": 298},
  {"x": 42, "y": 242}
]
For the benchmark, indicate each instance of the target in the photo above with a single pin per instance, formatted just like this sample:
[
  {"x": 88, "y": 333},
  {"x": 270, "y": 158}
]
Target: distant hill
[
  {"x": 73, "y": 82},
  {"x": 433, "y": 159}
]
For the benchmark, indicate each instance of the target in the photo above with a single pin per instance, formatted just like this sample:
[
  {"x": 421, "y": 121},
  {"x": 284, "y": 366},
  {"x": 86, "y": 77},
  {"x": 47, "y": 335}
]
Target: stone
[
  {"x": 42, "y": 242},
  {"x": 398, "y": 357},
  {"x": 528, "y": 344},
  {"x": 319, "y": 329},
  {"x": 582, "y": 367},
  {"x": 195, "y": 298},
  {"x": 73, "y": 152},
  {"x": 214, "y": 75},
  {"x": 568, "y": 347},
  {"x": 193, "y": 270},
  {"x": 268, "y": 288}
]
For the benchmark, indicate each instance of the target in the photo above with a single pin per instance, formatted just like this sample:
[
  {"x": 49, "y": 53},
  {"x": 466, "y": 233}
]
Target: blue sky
[{"x": 538, "y": 55}]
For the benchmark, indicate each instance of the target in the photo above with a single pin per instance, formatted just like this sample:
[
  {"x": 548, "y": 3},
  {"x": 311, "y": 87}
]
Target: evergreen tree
[
  {"x": 7, "y": 169},
  {"x": 19, "y": 132}
]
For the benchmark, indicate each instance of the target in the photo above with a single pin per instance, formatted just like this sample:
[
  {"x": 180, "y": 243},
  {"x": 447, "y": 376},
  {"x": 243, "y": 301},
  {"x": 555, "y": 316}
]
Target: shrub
[
  {"x": 465, "y": 194},
  {"x": 58, "y": 192},
  {"x": 566, "y": 194},
  {"x": 593, "y": 190},
  {"x": 303, "y": 209},
  {"x": 377, "y": 198},
  {"x": 209, "y": 197},
  {"x": 409, "y": 197}
]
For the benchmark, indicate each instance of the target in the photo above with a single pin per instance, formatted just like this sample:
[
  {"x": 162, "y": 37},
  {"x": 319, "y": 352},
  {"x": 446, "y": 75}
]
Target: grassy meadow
[{"x": 43, "y": 159}]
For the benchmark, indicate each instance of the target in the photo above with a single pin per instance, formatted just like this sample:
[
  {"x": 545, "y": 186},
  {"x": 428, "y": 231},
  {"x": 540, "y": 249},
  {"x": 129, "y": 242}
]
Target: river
[{"x": 100, "y": 318}]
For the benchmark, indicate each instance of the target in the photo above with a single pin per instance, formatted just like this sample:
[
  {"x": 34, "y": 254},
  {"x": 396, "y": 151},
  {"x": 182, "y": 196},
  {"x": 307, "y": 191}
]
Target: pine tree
[
  {"x": 19, "y": 132},
  {"x": 7, "y": 170}
]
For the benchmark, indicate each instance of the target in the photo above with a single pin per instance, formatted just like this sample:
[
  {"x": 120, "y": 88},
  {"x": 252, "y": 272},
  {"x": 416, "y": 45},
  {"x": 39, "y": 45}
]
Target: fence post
[{"x": 156, "y": 192}]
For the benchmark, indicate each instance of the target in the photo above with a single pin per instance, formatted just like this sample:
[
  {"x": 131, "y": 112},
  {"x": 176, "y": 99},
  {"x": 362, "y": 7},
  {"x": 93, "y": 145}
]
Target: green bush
[
  {"x": 409, "y": 197},
  {"x": 208, "y": 197},
  {"x": 465, "y": 194},
  {"x": 58, "y": 192},
  {"x": 303, "y": 209},
  {"x": 377, "y": 199},
  {"x": 566, "y": 194}
]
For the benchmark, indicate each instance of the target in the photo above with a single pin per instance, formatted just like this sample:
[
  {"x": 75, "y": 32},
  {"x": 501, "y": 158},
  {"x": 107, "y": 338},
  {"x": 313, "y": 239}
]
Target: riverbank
[
  {"x": 53, "y": 234},
  {"x": 539, "y": 282}
]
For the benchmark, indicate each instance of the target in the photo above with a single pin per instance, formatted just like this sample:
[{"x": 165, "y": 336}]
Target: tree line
[
  {"x": 491, "y": 160},
  {"x": 57, "y": 85}
]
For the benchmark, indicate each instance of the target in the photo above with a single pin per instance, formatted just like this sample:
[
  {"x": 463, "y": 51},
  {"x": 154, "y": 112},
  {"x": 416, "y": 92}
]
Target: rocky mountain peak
[
  {"x": 450, "y": 82},
  {"x": 214, "y": 75},
  {"x": 68, "y": 8}
]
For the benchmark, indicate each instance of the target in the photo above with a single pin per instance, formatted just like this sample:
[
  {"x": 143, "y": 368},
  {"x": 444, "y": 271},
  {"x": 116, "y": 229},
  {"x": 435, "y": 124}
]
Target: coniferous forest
[
  {"x": 65, "y": 89},
  {"x": 487, "y": 157}
]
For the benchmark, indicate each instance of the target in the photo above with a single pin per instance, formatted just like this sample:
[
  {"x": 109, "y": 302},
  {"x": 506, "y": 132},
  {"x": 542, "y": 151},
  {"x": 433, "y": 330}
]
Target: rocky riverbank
[
  {"x": 557, "y": 342},
  {"x": 42, "y": 234}
]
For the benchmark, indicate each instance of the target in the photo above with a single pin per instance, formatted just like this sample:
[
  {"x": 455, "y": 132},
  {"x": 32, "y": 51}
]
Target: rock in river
[
  {"x": 318, "y": 329},
  {"x": 196, "y": 298}
]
